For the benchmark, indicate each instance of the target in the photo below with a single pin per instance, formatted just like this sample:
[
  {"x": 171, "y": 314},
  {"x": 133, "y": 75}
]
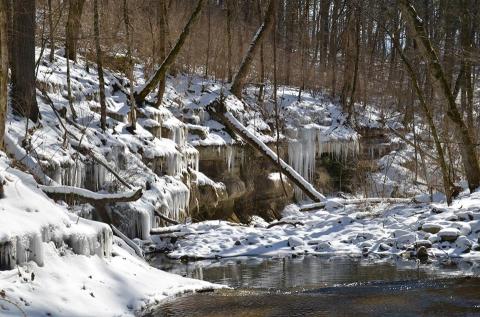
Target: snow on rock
[
  {"x": 449, "y": 234},
  {"x": 295, "y": 242},
  {"x": 431, "y": 227},
  {"x": 353, "y": 230}
]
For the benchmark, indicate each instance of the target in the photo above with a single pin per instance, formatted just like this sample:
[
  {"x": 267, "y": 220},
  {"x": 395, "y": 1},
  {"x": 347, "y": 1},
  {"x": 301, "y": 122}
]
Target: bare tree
[
  {"x": 241, "y": 75},
  {"x": 170, "y": 59},
  {"x": 466, "y": 144},
  {"x": 133, "y": 110},
  {"x": 162, "y": 45},
  {"x": 3, "y": 72},
  {"x": 75, "y": 10},
  {"x": 101, "y": 80},
  {"x": 24, "y": 99}
]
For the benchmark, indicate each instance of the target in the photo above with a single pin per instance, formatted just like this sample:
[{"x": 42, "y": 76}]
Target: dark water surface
[{"x": 314, "y": 286}]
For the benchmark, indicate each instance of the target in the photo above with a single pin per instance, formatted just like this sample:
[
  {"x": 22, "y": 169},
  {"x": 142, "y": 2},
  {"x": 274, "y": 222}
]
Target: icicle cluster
[{"x": 312, "y": 142}]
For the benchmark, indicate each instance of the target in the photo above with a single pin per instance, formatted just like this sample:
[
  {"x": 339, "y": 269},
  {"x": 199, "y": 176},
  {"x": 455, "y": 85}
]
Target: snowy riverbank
[
  {"x": 57, "y": 264},
  {"x": 399, "y": 229}
]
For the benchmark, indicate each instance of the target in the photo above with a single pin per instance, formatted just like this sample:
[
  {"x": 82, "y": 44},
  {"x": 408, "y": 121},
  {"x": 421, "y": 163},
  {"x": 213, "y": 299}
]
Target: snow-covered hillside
[{"x": 55, "y": 263}]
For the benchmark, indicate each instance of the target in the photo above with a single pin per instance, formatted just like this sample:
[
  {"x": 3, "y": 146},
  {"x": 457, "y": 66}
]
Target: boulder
[
  {"x": 422, "y": 253},
  {"x": 423, "y": 243},
  {"x": 431, "y": 227},
  {"x": 449, "y": 234},
  {"x": 383, "y": 247},
  {"x": 295, "y": 242},
  {"x": 464, "y": 244}
]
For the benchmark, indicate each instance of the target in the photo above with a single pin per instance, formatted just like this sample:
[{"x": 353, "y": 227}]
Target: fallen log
[
  {"x": 156, "y": 231},
  {"x": 220, "y": 111},
  {"x": 87, "y": 196},
  {"x": 342, "y": 202},
  {"x": 173, "y": 235}
]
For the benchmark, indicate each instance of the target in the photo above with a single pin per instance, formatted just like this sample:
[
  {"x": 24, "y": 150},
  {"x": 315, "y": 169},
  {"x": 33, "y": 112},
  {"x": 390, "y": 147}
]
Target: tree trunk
[
  {"x": 75, "y": 9},
  {"x": 69, "y": 89},
  {"x": 23, "y": 86},
  {"x": 239, "y": 79},
  {"x": 162, "y": 46},
  {"x": 323, "y": 35},
  {"x": 101, "y": 80},
  {"x": 3, "y": 73},
  {"x": 229, "y": 40},
  {"x": 262, "y": 60},
  {"x": 467, "y": 146},
  {"x": 133, "y": 108},
  {"x": 162, "y": 70},
  {"x": 50, "y": 32}
]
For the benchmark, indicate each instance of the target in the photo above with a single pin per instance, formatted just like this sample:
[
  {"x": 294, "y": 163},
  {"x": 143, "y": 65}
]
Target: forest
[{"x": 239, "y": 157}]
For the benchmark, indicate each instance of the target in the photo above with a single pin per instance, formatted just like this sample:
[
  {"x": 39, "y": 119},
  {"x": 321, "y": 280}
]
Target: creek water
[{"x": 315, "y": 286}]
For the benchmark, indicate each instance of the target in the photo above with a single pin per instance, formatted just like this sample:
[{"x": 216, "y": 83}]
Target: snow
[
  {"x": 76, "y": 285},
  {"x": 355, "y": 230},
  {"x": 60, "y": 264}
]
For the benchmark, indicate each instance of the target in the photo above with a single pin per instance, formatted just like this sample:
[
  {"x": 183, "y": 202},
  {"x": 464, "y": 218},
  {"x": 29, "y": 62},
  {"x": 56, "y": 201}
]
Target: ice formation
[
  {"x": 312, "y": 141},
  {"x": 30, "y": 219}
]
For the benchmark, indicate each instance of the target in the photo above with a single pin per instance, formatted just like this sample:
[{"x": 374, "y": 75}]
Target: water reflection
[
  {"x": 315, "y": 286},
  {"x": 302, "y": 272}
]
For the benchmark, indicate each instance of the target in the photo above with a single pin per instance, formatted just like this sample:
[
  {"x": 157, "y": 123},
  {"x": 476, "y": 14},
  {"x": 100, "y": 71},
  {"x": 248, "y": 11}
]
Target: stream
[{"x": 318, "y": 286}]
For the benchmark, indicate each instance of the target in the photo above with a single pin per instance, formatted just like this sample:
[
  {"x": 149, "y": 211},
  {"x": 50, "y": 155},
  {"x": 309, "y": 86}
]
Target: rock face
[{"x": 249, "y": 188}]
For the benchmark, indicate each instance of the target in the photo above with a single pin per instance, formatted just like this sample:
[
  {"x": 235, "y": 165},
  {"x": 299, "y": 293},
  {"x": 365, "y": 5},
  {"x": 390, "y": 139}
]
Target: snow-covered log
[
  {"x": 342, "y": 202},
  {"x": 84, "y": 195},
  {"x": 219, "y": 109}
]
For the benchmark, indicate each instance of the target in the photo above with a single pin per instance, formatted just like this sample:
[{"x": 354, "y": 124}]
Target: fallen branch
[
  {"x": 165, "y": 218},
  {"x": 342, "y": 202},
  {"x": 280, "y": 223},
  {"x": 128, "y": 241},
  {"x": 13, "y": 147},
  {"x": 81, "y": 148},
  {"x": 85, "y": 195},
  {"x": 97, "y": 158},
  {"x": 219, "y": 109}
]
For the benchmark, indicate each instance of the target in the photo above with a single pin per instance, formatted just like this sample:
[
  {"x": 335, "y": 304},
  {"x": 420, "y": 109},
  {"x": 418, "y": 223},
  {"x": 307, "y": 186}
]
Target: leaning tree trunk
[
  {"x": 447, "y": 182},
  {"x": 239, "y": 78},
  {"x": 75, "y": 9},
  {"x": 101, "y": 80},
  {"x": 170, "y": 59},
  {"x": 466, "y": 144},
  {"x": 3, "y": 72},
  {"x": 23, "y": 86},
  {"x": 219, "y": 110}
]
